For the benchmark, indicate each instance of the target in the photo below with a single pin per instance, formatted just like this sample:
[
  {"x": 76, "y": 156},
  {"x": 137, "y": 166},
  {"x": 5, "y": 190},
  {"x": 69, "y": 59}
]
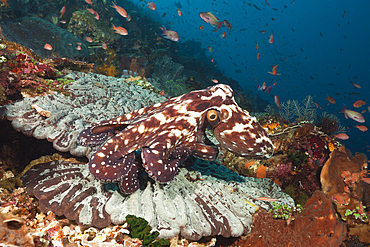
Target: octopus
[{"x": 168, "y": 132}]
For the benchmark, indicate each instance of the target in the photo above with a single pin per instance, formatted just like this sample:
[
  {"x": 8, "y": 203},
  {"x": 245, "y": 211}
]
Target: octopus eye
[
  {"x": 212, "y": 117},
  {"x": 224, "y": 114}
]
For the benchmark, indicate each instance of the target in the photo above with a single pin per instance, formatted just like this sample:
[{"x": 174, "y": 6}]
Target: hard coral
[{"x": 315, "y": 226}]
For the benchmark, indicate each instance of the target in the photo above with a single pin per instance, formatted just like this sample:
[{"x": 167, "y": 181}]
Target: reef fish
[
  {"x": 169, "y": 34},
  {"x": 168, "y": 132},
  {"x": 120, "y": 10},
  {"x": 210, "y": 18},
  {"x": 151, "y": 6},
  {"x": 120, "y": 30},
  {"x": 352, "y": 114}
]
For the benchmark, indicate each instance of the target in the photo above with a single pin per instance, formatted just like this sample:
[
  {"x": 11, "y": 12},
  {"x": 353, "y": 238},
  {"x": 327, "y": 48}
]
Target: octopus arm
[{"x": 205, "y": 152}]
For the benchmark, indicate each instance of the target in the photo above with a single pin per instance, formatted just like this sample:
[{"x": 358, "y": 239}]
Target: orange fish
[
  {"x": 271, "y": 39},
  {"x": 88, "y": 39},
  {"x": 318, "y": 106},
  {"x": 210, "y": 18},
  {"x": 359, "y": 103},
  {"x": 257, "y": 46},
  {"x": 120, "y": 30},
  {"x": 78, "y": 48},
  {"x": 341, "y": 136},
  {"x": 89, "y": 2},
  {"x": 355, "y": 85},
  {"x": 48, "y": 47},
  {"x": 274, "y": 70},
  {"x": 151, "y": 6},
  {"x": 215, "y": 80},
  {"x": 96, "y": 15},
  {"x": 120, "y": 10},
  {"x": 169, "y": 34},
  {"x": 201, "y": 27},
  {"x": 263, "y": 31},
  {"x": 104, "y": 46},
  {"x": 179, "y": 12},
  {"x": 63, "y": 22},
  {"x": 331, "y": 100},
  {"x": 213, "y": 60},
  {"x": 210, "y": 49},
  {"x": 277, "y": 101},
  {"x": 258, "y": 55},
  {"x": 224, "y": 35},
  {"x": 62, "y": 11},
  {"x": 362, "y": 128},
  {"x": 266, "y": 199}
]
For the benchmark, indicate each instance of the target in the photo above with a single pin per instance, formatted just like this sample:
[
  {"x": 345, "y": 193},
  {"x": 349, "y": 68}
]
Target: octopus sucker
[{"x": 168, "y": 133}]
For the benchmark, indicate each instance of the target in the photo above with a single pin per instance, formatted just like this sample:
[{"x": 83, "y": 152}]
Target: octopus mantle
[{"x": 168, "y": 132}]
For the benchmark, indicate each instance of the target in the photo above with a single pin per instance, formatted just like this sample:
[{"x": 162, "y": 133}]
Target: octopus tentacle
[
  {"x": 205, "y": 152},
  {"x": 130, "y": 183}
]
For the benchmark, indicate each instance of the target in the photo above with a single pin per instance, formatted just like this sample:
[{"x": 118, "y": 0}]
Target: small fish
[
  {"x": 120, "y": 10},
  {"x": 120, "y": 30},
  {"x": 331, "y": 100},
  {"x": 263, "y": 31},
  {"x": 179, "y": 12},
  {"x": 88, "y": 39},
  {"x": 341, "y": 136},
  {"x": 277, "y": 101},
  {"x": 210, "y": 18},
  {"x": 271, "y": 39},
  {"x": 48, "y": 47},
  {"x": 78, "y": 47},
  {"x": 62, "y": 11},
  {"x": 361, "y": 128},
  {"x": 88, "y": 1},
  {"x": 352, "y": 114},
  {"x": 363, "y": 111},
  {"x": 169, "y": 34},
  {"x": 215, "y": 80},
  {"x": 227, "y": 24},
  {"x": 63, "y": 22},
  {"x": 257, "y": 46},
  {"x": 266, "y": 199},
  {"x": 366, "y": 180},
  {"x": 359, "y": 103},
  {"x": 96, "y": 15},
  {"x": 355, "y": 85},
  {"x": 201, "y": 27},
  {"x": 104, "y": 46},
  {"x": 128, "y": 18},
  {"x": 258, "y": 55},
  {"x": 274, "y": 70},
  {"x": 151, "y": 6},
  {"x": 164, "y": 14},
  {"x": 224, "y": 35},
  {"x": 318, "y": 106},
  {"x": 210, "y": 49}
]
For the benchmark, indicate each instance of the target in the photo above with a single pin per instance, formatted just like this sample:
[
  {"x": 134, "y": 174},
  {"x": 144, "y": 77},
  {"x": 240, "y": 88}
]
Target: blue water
[{"x": 309, "y": 63}]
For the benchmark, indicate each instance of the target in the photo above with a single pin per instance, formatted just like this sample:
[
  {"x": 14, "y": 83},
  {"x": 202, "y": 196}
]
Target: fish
[
  {"x": 331, "y": 100},
  {"x": 366, "y": 180},
  {"x": 210, "y": 49},
  {"x": 120, "y": 10},
  {"x": 104, "y": 46},
  {"x": 78, "y": 47},
  {"x": 88, "y": 39},
  {"x": 179, "y": 12},
  {"x": 257, "y": 46},
  {"x": 88, "y": 1},
  {"x": 210, "y": 18},
  {"x": 341, "y": 136},
  {"x": 361, "y": 128},
  {"x": 169, "y": 34},
  {"x": 96, "y": 15},
  {"x": 271, "y": 39},
  {"x": 359, "y": 103},
  {"x": 352, "y": 114},
  {"x": 128, "y": 18},
  {"x": 227, "y": 24},
  {"x": 48, "y": 47},
  {"x": 63, "y": 22},
  {"x": 120, "y": 30},
  {"x": 355, "y": 85},
  {"x": 266, "y": 199},
  {"x": 215, "y": 80},
  {"x": 152, "y": 6},
  {"x": 201, "y": 27},
  {"x": 274, "y": 70},
  {"x": 318, "y": 106},
  {"x": 277, "y": 101},
  {"x": 263, "y": 31},
  {"x": 224, "y": 35},
  {"x": 258, "y": 55},
  {"x": 62, "y": 11}
]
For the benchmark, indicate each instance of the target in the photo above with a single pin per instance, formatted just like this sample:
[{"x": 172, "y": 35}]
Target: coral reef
[
  {"x": 341, "y": 179},
  {"x": 140, "y": 229},
  {"x": 92, "y": 98},
  {"x": 329, "y": 124},
  {"x": 13, "y": 232},
  {"x": 315, "y": 226},
  {"x": 34, "y": 33},
  {"x": 292, "y": 109},
  {"x": 192, "y": 205}
]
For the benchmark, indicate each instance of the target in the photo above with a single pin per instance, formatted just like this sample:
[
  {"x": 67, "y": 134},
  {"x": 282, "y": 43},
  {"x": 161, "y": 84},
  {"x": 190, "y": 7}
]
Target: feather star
[{"x": 168, "y": 132}]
